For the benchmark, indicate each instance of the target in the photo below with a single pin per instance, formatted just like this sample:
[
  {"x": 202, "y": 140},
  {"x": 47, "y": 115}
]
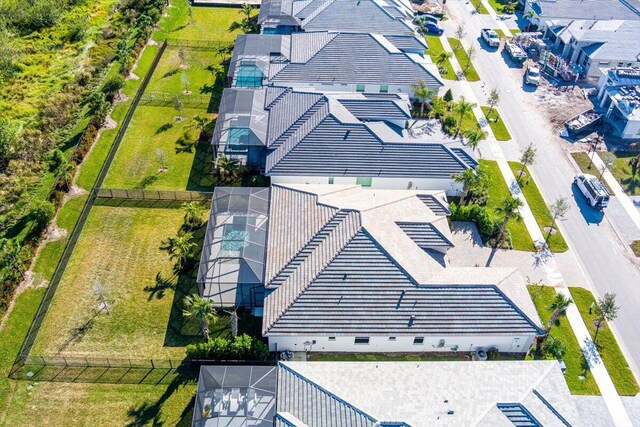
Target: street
[{"x": 596, "y": 248}]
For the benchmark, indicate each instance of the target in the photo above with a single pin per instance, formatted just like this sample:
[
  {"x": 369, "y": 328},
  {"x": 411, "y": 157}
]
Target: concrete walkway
[
  {"x": 625, "y": 200},
  {"x": 600, "y": 374}
]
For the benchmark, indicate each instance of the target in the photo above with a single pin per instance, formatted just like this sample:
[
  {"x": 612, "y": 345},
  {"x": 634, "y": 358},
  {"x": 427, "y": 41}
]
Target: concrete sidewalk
[{"x": 600, "y": 374}]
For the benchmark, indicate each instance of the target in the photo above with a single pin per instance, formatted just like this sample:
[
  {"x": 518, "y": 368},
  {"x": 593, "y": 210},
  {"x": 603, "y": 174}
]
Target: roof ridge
[
  {"x": 271, "y": 141},
  {"x": 275, "y": 100},
  {"x": 515, "y": 306},
  {"x": 298, "y": 282},
  {"x": 317, "y": 12}
]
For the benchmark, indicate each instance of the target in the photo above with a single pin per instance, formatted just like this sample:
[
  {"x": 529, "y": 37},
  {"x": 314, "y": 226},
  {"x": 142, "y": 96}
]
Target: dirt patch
[
  {"x": 561, "y": 103},
  {"x": 120, "y": 98},
  {"x": 133, "y": 76},
  {"x": 109, "y": 123}
]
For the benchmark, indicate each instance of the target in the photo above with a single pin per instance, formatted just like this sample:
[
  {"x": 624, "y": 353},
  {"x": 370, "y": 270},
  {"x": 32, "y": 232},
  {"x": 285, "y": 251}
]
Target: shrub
[
  {"x": 487, "y": 226},
  {"x": 448, "y": 95},
  {"x": 449, "y": 124},
  {"x": 113, "y": 85},
  {"x": 243, "y": 347},
  {"x": 493, "y": 354},
  {"x": 41, "y": 212},
  {"x": 86, "y": 141}
]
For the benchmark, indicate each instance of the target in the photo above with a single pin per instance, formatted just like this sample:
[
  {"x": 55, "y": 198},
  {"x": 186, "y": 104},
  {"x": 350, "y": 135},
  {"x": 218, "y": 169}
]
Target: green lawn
[
  {"x": 153, "y": 128},
  {"x": 435, "y": 48},
  {"x": 635, "y": 247},
  {"x": 120, "y": 247},
  {"x": 577, "y": 366},
  {"x": 497, "y": 124},
  {"x": 498, "y": 5},
  {"x": 538, "y": 207},
  {"x": 211, "y": 23},
  {"x": 386, "y": 357},
  {"x": 586, "y": 166},
  {"x": 513, "y": 31},
  {"x": 612, "y": 356},
  {"x": 461, "y": 55},
  {"x": 169, "y": 75},
  {"x": 621, "y": 170},
  {"x": 498, "y": 190},
  {"x": 479, "y": 7}
]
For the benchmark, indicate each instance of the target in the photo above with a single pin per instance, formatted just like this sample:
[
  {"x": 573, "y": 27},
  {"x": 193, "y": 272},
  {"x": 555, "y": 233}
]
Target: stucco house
[{"x": 619, "y": 97}]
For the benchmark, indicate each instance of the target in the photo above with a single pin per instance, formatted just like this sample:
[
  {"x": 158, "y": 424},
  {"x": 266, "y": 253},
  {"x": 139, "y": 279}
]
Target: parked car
[
  {"x": 490, "y": 37},
  {"x": 432, "y": 27},
  {"x": 532, "y": 77},
  {"x": 593, "y": 189}
]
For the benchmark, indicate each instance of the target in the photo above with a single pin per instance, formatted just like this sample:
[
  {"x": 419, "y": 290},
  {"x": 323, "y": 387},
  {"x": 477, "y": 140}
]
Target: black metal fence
[
  {"x": 198, "y": 44},
  {"x": 25, "y": 350},
  {"x": 143, "y": 194},
  {"x": 165, "y": 99}
]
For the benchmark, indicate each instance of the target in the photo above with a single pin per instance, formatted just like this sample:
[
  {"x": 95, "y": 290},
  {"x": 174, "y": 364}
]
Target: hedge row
[{"x": 242, "y": 347}]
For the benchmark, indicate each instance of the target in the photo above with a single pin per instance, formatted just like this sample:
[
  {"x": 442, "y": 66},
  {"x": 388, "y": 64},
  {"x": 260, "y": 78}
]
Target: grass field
[
  {"x": 621, "y": 170},
  {"x": 498, "y": 190},
  {"x": 461, "y": 55},
  {"x": 635, "y": 247},
  {"x": 538, "y": 207},
  {"x": 120, "y": 247},
  {"x": 497, "y": 126},
  {"x": 586, "y": 166},
  {"x": 608, "y": 348},
  {"x": 435, "y": 48},
  {"x": 578, "y": 375}
]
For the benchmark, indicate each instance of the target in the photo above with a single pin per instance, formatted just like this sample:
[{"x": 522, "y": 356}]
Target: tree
[
  {"x": 423, "y": 93},
  {"x": 508, "y": 208},
  {"x": 555, "y": 347},
  {"x": 183, "y": 58},
  {"x": 191, "y": 20},
  {"x": 634, "y": 162},
  {"x": 247, "y": 10},
  {"x": 558, "y": 209},
  {"x": 56, "y": 159},
  {"x": 113, "y": 86},
  {"x": 177, "y": 104},
  {"x": 467, "y": 178},
  {"x": 462, "y": 108},
  {"x": 448, "y": 96},
  {"x": 181, "y": 249},
  {"x": 41, "y": 212},
  {"x": 161, "y": 160},
  {"x": 226, "y": 167},
  {"x": 202, "y": 310},
  {"x": 64, "y": 172},
  {"x": 459, "y": 33},
  {"x": 471, "y": 54},
  {"x": 185, "y": 81},
  {"x": 438, "y": 107},
  {"x": 527, "y": 158},
  {"x": 558, "y": 307},
  {"x": 192, "y": 215},
  {"x": 474, "y": 136},
  {"x": 494, "y": 98},
  {"x": 202, "y": 124},
  {"x": 442, "y": 59},
  {"x": 607, "y": 311},
  {"x": 224, "y": 51},
  {"x": 216, "y": 71},
  {"x": 10, "y": 266}
]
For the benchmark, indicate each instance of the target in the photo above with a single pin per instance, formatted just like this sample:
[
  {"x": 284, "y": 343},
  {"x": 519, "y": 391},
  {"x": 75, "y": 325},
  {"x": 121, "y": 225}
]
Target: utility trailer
[{"x": 582, "y": 123}]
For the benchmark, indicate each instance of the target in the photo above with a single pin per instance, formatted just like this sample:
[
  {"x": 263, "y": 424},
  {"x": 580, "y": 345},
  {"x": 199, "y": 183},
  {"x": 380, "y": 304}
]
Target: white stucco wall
[
  {"x": 404, "y": 344},
  {"x": 452, "y": 188}
]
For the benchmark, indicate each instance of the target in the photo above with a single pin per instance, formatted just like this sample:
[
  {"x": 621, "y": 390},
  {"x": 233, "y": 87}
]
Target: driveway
[{"x": 597, "y": 251}]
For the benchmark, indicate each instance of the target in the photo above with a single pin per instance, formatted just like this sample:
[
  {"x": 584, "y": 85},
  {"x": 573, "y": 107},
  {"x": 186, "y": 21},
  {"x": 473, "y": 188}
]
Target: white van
[{"x": 593, "y": 189}]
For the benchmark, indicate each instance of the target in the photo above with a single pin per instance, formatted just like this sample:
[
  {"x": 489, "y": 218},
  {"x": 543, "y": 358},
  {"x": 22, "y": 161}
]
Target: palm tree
[
  {"x": 202, "y": 124},
  {"x": 423, "y": 93},
  {"x": 192, "y": 214},
  {"x": 64, "y": 171},
  {"x": 474, "y": 137},
  {"x": 247, "y": 10},
  {"x": 438, "y": 107},
  {"x": 224, "y": 51},
  {"x": 181, "y": 249},
  {"x": 462, "y": 108},
  {"x": 508, "y": 207},
  {"x": 442, "y": 59},
  {"x": 201, "y": 309},
  {"x": 607, "y": 311},
  {"x": 468, "y": 178},
  {"x": 558, "y": 307},
  {"x": 226, "y": 167}
]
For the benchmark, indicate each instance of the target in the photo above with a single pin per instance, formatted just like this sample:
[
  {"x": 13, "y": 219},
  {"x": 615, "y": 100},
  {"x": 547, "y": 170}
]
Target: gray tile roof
[
  {"x": 367, "y": 109},
  {"x": 341, "y": 281},
  {"x": 438, "y": 206},
  {"x": 587, "y": 9},
  {"x": 425, "y": 235}
]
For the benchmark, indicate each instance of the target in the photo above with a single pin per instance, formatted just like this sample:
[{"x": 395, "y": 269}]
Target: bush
[
  {"x": 243, "y": 347},
  {"x": 493, "y": 354},
  {"x": 487, "y": 226},
  {"x": 113, "y": 85},
  {"x": 86, "y": 141},
  {"x": 448, "y": 95},
  {"x": 449, "y": 124},
  {"x": 41, "y": 212}
]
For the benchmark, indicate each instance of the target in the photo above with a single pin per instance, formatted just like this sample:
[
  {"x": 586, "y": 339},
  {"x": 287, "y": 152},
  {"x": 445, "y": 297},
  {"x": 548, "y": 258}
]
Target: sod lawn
[
  {"x": 435, "y": 48},
  {"x": 538, "y": 207},
  {"x": 496, "y": 123},
  {"x": 622, "y": 171},
  {"x": 586, "y": 166},
  {"x": 120, "y": 247},
  {"x": 498, "y": 190},
  {"x": 635, "y": 247},
  {"x": 513, "y": 31},
  {"x": 608, "y": 347},
  {"x": 461, "y": 55},
  {"x": 577, "y": 375}
]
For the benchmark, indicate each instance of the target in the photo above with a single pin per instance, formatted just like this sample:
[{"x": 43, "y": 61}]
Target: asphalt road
[{"x": 596, "y": 247}]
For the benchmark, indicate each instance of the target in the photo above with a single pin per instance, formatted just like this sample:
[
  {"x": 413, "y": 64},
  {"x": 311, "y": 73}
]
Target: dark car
[{"x": 432, "y": 28}]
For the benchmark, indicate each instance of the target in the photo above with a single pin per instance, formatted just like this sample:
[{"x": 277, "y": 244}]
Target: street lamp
[{"x": 608, "y": 163}]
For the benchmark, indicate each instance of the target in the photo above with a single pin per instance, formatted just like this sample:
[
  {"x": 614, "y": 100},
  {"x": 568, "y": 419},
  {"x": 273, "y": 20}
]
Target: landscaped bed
[
  {"x": 539, "y": 208},
  {"x": 608, "y": 347},
  {"x": 435, "y": 48},
  {"x": 496, "y": 123},
  {"x": 635, "y": 247},
  {"x": 578, "y": 377},
  {"x": 461, "y": 55},
  {"x": 118, "y": 260}
]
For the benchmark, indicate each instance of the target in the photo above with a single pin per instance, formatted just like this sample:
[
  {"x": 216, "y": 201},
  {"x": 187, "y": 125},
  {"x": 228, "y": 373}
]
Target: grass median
[
  {"x": 496, "y": 123},
  {"x": 466, "y": 65},
  {"x": 539, "y": 208},
  {"x": 585, "y": 165},
  {"x": 578, "y": 376},
  {"x": 608, "y": 347}
]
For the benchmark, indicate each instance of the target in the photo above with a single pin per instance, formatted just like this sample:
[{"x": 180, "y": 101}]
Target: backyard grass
[
  {"x": 435, "y": 48},
  {"x": 577, "y": 375},
  {"x": 461, "y": 55},
  {"x": 621, "y": 170},
  {"x": 154, "y": 130},
  {"x": 121, "y": 247},
  {"x": 498, "y": 190},
  {"x": 586, "y": 166},
  {"x": 211, "y": 23},
  {"x": 538, "y": 207},
  {"x": 635, "y": 247},
  {"x": 496, "y": 123},
  {"x": 612, "y": 356}
]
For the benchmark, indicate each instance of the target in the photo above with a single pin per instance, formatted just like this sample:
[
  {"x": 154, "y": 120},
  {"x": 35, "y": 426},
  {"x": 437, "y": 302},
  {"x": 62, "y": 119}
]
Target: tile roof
[
  {"x": 360, "y": 272},
  {"x": 425, "y": 235},
  {"x": 424, "y": 394},
  {"x": 587, "y": 9}
]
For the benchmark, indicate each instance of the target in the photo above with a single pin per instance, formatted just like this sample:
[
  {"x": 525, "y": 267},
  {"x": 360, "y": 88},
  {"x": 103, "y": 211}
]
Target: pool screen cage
[{"x": 231, "y": 269}]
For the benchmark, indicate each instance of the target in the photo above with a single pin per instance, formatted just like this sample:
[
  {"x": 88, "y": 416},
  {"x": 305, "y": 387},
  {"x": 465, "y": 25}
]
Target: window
[
  {"x": 384, "y": 89},
  {"x": 361, "y": 340},
  {"x": 418, "y": 340},
  {"x": 392, "y": 338},
  {"x": 359, "y": 88},
  {"x": 332, "y": 338},
  {"x": 331, "y": 180},
  {"x": 364, "y": 181}
]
